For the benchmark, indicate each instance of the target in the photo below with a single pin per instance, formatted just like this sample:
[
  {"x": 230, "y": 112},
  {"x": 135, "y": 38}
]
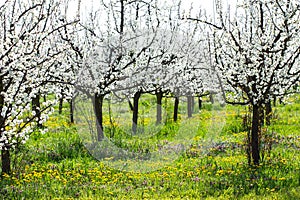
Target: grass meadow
[{"x": 213, "y": 165}]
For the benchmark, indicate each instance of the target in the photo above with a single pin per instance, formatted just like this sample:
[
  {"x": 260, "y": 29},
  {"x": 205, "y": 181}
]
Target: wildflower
[
  {"x": 220, "y": 172},
  {"x": 196, "y": 179},
  {"x": 5, "y": 175},
  {"x": 189, "y": 174}
]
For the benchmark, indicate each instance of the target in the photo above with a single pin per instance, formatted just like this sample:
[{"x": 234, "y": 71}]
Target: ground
[{"x": 56, "y": 165}]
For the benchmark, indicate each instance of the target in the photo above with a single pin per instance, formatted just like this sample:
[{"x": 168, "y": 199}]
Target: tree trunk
[
  {"x": 190, "y": 106},
  {"x": 130, "y": 105},
  {"x": 5, "y": 157},
  {"x": 71, "y": 111},
  {"x": 280, "y": 101},
  {"x": 122, "y": 17},
  {"x": 211, "y": 98},
  {"x": 268, "y": 113},
  {"x": 255, "y": 134},
  {"x": 159, "y": 96},
  {"x": 112, "y": 127},
  {"x": 36, "y": 107},
  {"x": 200, "y": 103},
  {"x": 60, "y": 107},
  {"x": 135, "y": 114},
  {"x": 98, "y": 104},
  {"x": 176, "y": 104},
  {"x": 261, "y": 116},
  {"x": 193, "y": 104}
]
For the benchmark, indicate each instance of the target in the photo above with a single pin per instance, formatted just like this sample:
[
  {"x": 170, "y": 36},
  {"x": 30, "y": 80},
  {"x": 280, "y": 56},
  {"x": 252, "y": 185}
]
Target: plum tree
[
  {"x": 28, "y": 31},
  {"x": 255, "y": 52}
]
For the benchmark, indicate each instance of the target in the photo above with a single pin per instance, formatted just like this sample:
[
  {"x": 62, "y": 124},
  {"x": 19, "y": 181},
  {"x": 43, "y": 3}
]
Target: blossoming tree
[
  {"x": 255, "y": 53},
  {"x": 111, "y": 43},
  {"x": 28, "y": 30}
]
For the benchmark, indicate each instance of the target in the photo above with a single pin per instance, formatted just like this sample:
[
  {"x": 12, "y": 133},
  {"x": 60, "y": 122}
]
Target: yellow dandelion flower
[{"x": 5, "y": 175}]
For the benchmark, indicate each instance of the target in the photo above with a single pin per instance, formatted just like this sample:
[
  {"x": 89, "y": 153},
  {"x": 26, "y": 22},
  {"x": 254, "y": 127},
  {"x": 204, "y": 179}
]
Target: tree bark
[
  {"x": 193, "y": 103},
  {"x": 274, "y": 101},
  {"x": 135, "y": 114},
  {"x": 112, "y": 127},
  {"x": 36, "y": 107},
  {"x": 200, "y": 103},
  {"x": 211, "y": 98},
  {"x": 268, "y": 113},
  {"x": 98, "y": 105},
  {"x": 190, "y": 106},
  {"x": 71, "y": 111},
  {"x": 261, "y": 116},
  {"x": 176, "y": 104},
  {"x": 159, "y": 96},
  {"x": 122, "y": 17},
  {"x": 130, "y": 105},
  {"x": 255, "y": 134},
  {"x": 60, "y": 107},
  {"x": 5, "y": 157}
]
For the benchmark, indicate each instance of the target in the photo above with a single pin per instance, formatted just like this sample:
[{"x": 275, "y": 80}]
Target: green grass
[{"x": 213, "y": 166}]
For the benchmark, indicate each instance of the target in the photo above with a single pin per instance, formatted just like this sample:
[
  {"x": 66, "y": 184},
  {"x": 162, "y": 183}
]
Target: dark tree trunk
[
  {"x": 122, "y": 16},
  {"x": 176, "y": 104},
  {"x": 255, "y": 134},
  {"x": 211, "y": 98},
  {"x": 280, "y": 101},
  {"x": 190, "y": 106},
  {"x": 112, "y": 127},
  {"x": 45, "y": 98},
  {"x": 268, "y": 113},
  {"x": 135, "y": 114},
  {"x": 36, "y": 107},
  {"x": 274, "y": 101},
  {"x": 200, "y": 103},
  {"x": 261, "y": 116},
  {"x": 71, "y": 111},
  {"x": 130, "y": 105},
  {"x": 5, "y": 157},
  {"x": 159, "y": 96},
  {"x": 193, "y": 104},
  {"x": 98, "y": 104},
  {"x": 60, "y": 107}
]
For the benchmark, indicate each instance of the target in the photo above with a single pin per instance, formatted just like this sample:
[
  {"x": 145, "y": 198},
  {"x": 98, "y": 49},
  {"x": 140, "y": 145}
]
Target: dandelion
[
  {"x": 189, "y": 174},
  {"x": 220, "y": 172},
  {"x": 5, "y": 175}
]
